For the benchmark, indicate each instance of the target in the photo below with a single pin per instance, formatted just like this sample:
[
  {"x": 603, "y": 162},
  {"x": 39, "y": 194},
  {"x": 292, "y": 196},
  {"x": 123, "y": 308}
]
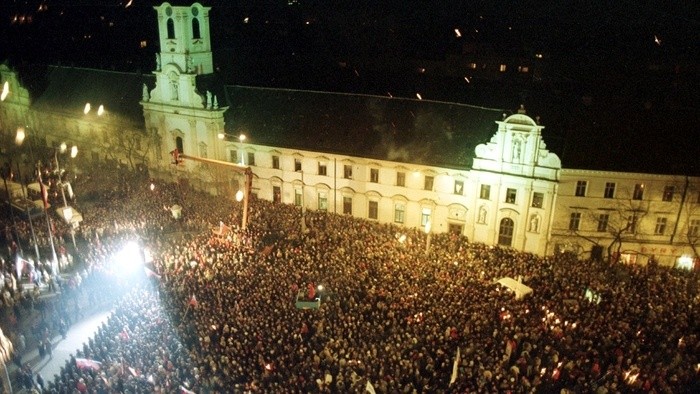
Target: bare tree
[
  {"x": 616, "y": 223},
  {"x": 132, "y": 145}
]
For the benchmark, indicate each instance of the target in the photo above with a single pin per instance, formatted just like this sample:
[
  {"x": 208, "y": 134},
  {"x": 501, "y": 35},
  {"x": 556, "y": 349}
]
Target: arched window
[
  {"x": 505, "y": 232},
  {"x": 171, "y": 29},
  {"x": 195, "y": 29},
  {"x": 178, "y": 144}
]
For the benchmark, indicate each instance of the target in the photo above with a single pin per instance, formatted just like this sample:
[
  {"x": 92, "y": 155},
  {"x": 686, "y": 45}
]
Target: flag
[
  {"x": 150, "y": 273},
  {"x": 455, "y": 367},
  {"x": 70, "y": 189},
  {"x": 369, "y": 388},
  {"x": 86, "y": 363},
  {"x": 184, "y": 390},
  {"x": 223, "y": 229},
  {"x": 133, "y": 372},
  {"x": 193, "y": 301},
  {"x": 44, "y": 194}
]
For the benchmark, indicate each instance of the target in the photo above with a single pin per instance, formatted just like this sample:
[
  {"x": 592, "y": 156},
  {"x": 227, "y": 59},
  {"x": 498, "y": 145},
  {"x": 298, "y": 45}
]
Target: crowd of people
[{"x": 215, "y": 311}]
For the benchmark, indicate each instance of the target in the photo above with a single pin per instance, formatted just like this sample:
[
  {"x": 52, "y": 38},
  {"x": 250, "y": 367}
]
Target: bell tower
[{"x": 184, "y": 37}]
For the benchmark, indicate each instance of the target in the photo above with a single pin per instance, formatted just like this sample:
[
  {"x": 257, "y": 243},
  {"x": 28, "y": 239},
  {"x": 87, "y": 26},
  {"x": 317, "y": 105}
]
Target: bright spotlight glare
[{"x": 129, "y": 258}]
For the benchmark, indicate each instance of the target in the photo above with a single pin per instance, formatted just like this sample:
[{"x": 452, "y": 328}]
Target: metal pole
[
  {"x": 29, "y": 216},
  {"x": 48, "y": 227},
  {"x": 303, "y": 205},
  {"x": 12, "y": 214},
  {"x": 246, "y": 196}
]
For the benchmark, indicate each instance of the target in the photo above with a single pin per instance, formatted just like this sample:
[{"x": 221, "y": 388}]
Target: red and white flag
[
  {"x": 86, "y": 363},
  {"x": 150, "y": 273},
  {"x": 44, "y": 194},
  {"x": 193, "y": 301}
]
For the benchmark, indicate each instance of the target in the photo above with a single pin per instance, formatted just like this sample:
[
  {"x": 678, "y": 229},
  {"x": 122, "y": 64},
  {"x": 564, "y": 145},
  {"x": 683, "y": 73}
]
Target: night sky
[{"x": 616, "y": 87}]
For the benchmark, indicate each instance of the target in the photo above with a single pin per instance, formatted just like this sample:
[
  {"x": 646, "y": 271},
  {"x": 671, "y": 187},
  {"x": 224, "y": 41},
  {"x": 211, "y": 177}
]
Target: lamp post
[
  {"x": 19, "y": 139},
  {"x": 303, "y": 204},
  {"x": 67, "y": 211},
  {"x": 427, "y": 238},
  {"x": 241, "y": 138}
]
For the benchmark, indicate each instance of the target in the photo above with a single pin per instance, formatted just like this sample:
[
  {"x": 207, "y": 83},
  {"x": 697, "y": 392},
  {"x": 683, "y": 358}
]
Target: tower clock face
[{"x": 169, "y": 11}]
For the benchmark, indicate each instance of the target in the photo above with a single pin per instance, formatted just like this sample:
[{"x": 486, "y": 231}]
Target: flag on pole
[
  {"x": 86, "y": 363},
  {"x": 369, "y": 388},
  {"x": 150, "y": 273},
  {"x": 223, "y": 229},
  {"x": 455, "y": 367},
  {"x": 44, "y": 194},
  {"x": 193, "y": 301},
  {"x": 184, "y": 390}
]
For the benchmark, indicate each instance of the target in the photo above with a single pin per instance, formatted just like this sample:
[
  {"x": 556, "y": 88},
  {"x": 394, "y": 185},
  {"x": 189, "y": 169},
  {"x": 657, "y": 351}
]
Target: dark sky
[{"x": 618, "y": 85}]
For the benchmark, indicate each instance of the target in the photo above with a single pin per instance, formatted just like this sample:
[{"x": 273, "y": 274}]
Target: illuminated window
[
  {"x": 632, "y": 224},
  {"x": 609, "y": 190},
  {"x": 537, "y": 200},
  {"x": 668, "y": 193},
  {"x": 510, "y": 195},
  {"x": 524, "y": 69},
  {"x": 322, "y": 202},
  {"x": 400, "y": 179},
  {"x": 428, "y": 184},
  {"x": 459, "y": 187},
  {"x": 694, "y": 228},
  {"x": 143, "y": 44},
  {"x": 638, "y": 191},
  {"x": 374, "y": 175},
  {"x": 373, "y": 210},
  {"x": 347, "y": 171},
  {"x": 660, "y": 226},
  {"x": 485, "y": 192},
  {"x": 347, "y": 205},
  {"x": 502, "y": 68},
  {"x": 603, "y": 220},
  {"x": 276, "y": 162},
  {"x": 322, "y": 169},
  {"x": 472, "y": 66},
  {"x": 399, "y": 213},
  {"x": 581, "y": 188},
  {"x": 425, "y": 216},
  {"x": 574, "y": 221},
  {"x": 297, "y": 164}
]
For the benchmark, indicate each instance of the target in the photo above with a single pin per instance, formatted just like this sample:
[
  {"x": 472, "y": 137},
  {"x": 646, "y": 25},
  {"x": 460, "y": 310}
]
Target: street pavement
[{"x": 91, "y": 318}]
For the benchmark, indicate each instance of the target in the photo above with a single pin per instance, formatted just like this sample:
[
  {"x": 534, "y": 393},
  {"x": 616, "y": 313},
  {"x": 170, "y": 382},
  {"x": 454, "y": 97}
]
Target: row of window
[
  {"x": 637, "y": 193},
  {"x": 603, "y": 221},
  {"x": 372, "y": 207}
]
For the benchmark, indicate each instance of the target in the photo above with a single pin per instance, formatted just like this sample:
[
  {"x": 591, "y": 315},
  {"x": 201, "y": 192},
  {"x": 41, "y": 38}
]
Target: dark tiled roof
[
  {"x": 405, "y": 130},
  {"x": 67, "y": 89}
]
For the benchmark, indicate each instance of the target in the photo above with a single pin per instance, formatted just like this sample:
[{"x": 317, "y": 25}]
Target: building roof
[
  {"x": 384, "y": 128},
  {"x": 68, "y": 89}
]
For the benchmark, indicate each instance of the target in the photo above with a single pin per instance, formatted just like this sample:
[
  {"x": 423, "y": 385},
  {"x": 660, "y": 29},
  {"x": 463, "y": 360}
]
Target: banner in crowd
[
  {"x": 455, "y": 367},
  {"x": 86, "y": 363}
]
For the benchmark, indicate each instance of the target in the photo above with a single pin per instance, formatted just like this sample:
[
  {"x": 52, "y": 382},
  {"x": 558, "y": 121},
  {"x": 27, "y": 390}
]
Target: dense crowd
[{"x": 217, "y": 313}]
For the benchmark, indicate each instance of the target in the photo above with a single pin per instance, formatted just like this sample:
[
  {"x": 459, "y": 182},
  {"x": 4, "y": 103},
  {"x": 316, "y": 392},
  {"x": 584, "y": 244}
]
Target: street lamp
[
  {"x": 67, "y": 211},
  {"x": 427, "y": 239},
  {"x": 5, "y": 91},
  {"x": 241, "y": 138}
]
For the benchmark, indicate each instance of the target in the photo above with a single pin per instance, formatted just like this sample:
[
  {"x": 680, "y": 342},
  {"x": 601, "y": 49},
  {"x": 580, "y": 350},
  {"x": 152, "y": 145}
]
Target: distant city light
[
  {"x": 419, "y": 96},
  {"x": 100, "y": 110},
  {"x": 657, "y": 40},
  {"x": 246, "y": 19},
  {"x": 458, "y": 33},
  {"x": 87, "y": 108}
]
